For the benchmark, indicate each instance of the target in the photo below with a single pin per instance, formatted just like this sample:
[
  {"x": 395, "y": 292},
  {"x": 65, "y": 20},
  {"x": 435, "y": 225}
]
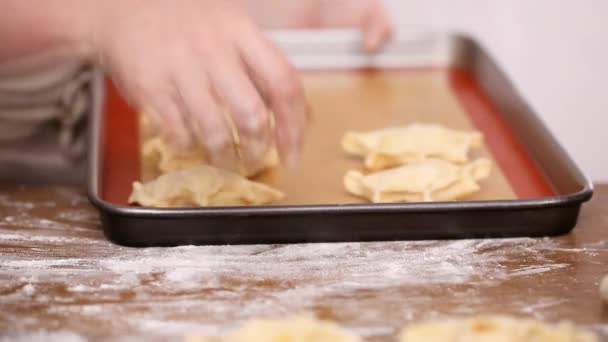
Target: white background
[{"x": 555, "y": 51}]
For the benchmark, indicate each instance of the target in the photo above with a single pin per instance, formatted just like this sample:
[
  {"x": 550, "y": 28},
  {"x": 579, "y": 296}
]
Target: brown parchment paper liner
[{"x": 344, "y": 100}]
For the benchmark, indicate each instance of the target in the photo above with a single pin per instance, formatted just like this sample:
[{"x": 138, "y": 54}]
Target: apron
[{"x": 43, "y": 122}]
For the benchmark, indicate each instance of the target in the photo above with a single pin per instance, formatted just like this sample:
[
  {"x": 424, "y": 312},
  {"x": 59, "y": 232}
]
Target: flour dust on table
[{"x": 59, "y": 274}]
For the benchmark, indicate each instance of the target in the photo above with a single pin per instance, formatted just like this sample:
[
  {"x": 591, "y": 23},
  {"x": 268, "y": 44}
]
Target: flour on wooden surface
[
  {"x": 174, "y": 291},
  {"x": 42, "y": 336}
]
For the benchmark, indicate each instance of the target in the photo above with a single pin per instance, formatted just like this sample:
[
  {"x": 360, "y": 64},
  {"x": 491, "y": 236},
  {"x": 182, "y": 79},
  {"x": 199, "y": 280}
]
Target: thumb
[{"x": 377, "y": 29}]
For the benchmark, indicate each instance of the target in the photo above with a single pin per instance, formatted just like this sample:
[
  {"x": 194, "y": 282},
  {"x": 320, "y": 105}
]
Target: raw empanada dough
[
  {"x": 422, "y": 181},
  {"x": 604, "y": 289},
  {"x": 202, "y": 186},
  {"x": 165, "y": 159},
  {"x": 301, "y": 329},
  {"x": 390, "y": 147},
  {"x": 493, "y": 329},
  {"x": 160, "y": 158}
]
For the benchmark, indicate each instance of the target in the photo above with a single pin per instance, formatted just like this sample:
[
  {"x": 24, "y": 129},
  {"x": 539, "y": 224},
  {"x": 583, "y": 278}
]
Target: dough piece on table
[
  {"x": 160, "y": 158},
  {"x": 202, "y": 186},
  {"x": 390, "y": 147},
  {"x": 423, "y": 181},
  {"x": 493, "y": 329},
  {"x": 604, "y": 289},
  {"x": 202, "y": 338},
  {"x": 300, "y": 329}
]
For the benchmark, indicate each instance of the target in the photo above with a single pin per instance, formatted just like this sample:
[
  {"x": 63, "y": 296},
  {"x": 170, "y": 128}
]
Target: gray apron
[{"x": 43, "y": 123}]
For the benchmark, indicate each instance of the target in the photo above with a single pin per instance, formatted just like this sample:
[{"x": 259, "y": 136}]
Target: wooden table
[{"x": 60, "y": 278}]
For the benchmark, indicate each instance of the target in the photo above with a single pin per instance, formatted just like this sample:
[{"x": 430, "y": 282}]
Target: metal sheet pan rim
[
  {"x": 341, "y": 49},
  {"x": 549, "y": 202},
  {"x": 98, "y": 84}
]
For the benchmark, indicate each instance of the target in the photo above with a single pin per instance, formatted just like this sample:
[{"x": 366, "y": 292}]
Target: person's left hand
[{"x": 370, "y": 16}]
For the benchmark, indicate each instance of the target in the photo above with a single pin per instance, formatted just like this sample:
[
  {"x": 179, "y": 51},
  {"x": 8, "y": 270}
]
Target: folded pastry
[
  {"x": 160, "y": 158},
  {"x": 167, "y": 159},
  {"x": 202, "y": 186},
  {"x": 299, "y": 329},
  {"x": 422, "y": 181},
  {"x": 391, "y": 147},
  {"x": 493, "y": 328}
]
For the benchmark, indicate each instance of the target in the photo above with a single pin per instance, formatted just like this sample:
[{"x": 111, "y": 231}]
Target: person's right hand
[{"x": 187, "y": 62}]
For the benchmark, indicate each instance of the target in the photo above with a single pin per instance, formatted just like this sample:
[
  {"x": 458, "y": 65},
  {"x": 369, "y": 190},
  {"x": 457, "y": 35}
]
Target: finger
[
  {"x": 289, "y": 131},
  {"x": 377, "y": 29},
  {"x": 168, "y": 119},
  {"x": 205, "y": 118},
  {"x": 281, "y": 89},
  {"x": 246, "y": 109}
]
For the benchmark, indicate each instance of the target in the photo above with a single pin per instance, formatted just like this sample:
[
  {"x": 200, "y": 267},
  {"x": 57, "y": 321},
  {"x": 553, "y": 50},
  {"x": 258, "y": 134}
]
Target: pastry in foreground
[
  {"x": 202, "y": 186},
  {"x": 495, "y": 329},
  {"x": 422, "y": 181},
  {"x": 299, "y": 329},
  {"x": 389, "y": 147}
]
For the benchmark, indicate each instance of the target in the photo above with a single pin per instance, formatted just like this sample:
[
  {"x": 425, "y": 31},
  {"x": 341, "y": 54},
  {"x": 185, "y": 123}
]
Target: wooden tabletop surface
[{"x": 61, "y": 280}]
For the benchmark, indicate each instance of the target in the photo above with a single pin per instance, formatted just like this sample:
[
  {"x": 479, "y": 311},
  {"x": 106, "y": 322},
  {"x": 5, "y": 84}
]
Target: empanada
[
  {"x": 300, "y": 329},
  {"x": 391, "y": 147},
  {"x": 160, "y": 158},
  {"x": 202, "y": 186},
  {"x": 166, "y": 159},
  {"x": 493, "y": 328},
  {"x": 422, "y": 181}
]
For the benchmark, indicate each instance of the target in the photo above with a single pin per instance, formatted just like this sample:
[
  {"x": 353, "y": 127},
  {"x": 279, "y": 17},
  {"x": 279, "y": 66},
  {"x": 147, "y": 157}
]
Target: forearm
[
  {"x": 57, "y": 27},
  {"x": 282, "y": 14}
]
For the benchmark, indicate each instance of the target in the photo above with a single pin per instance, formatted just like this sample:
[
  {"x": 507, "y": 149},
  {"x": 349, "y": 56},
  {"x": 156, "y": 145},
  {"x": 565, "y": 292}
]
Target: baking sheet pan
[{"x": 534, "y": 189}]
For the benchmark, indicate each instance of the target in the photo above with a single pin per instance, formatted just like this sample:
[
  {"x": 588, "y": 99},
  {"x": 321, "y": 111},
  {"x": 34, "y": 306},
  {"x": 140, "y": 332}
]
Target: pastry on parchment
[
  {"x": 202, "y": 186},
  {"x": 160, "y": 158},
  {"x": 493, "y": 329},
  {"x": 421, "y": 181},
  {"x": 165, "y": 159},
  {"x": 389, "y": 147},
  {"x": 299, "y": 329}
]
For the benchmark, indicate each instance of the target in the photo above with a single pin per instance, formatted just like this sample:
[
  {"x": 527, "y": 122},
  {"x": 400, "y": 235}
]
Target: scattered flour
[
  {"x": 41, "y": 336},
  {"x": 79, "y": 288},
  {"x": 68, "y": 275},
  {"x": 29, "y": 289},
  {"x": 43, "y": 238},
  {"x": 232, "y": 281},
  {"x": 524, "y": 271}
]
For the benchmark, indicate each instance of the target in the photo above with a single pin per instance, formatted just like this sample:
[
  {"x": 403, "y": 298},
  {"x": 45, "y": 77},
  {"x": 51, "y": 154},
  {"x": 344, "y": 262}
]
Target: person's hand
[
  {"x": 370, "y": 16},
  {"x": 188, "y": 62}
]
